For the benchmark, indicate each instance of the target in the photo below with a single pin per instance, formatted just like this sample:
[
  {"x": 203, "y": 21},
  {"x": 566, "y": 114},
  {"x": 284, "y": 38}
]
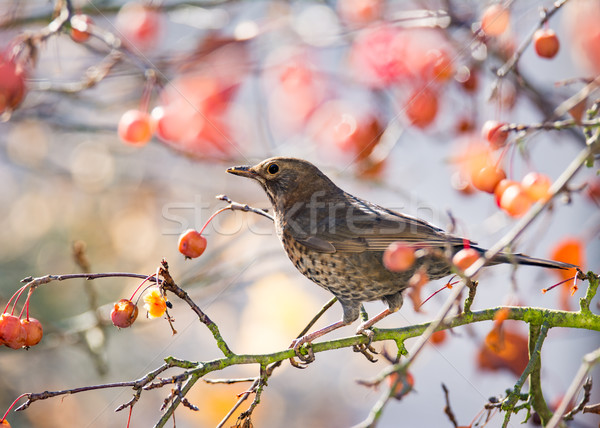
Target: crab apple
[
  {"x": 495, "y": 20},
  {"x": 515, "y": 201},
  {"x": 442, "y": 68},
  {"x": 487, "y": 178},
  {"x": 136, "y": 127},
  {"x": 465, "y": 258},
  {"x": 469, "y": 80},
  {"x": 79, "y": 27},
  {"x": 462, "y": 184},
  {"x": 592, "y": 190},
  {"x": 124, "y": 313},
  {"x": 33, "y": 330},
  {"x": 360, "y": 12},
  {"x": 12, "y": 333},
  {"x": 139, "y": 25},
  {"x": 404, "y": 384},
  {"x": 438, "y": 337},
  {"x": 192, "y": 244},
  {"x": 501, "y": 187},
  {"x": 422, "y": 107},
  {"x": 341, "y": 124},
  {"x": 569, "y": 250},
  {"x": 545, "y": 43},
  {"x": 399, "y": 257},
  {"x": 12, "y": 83},
  {"x": 373, "y": 59},
  {"x": 537, "y": 186},
  {"x": 494, "y": 133}
]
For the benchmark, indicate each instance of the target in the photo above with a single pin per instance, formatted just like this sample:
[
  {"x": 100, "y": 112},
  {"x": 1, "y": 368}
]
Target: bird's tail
[{"x": 522, "y": 259}]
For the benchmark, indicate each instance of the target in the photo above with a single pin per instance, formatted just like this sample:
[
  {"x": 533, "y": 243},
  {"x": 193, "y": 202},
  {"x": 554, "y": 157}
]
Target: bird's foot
[
  {"x": 365, "y": 348},
  {"x": 305, "y": 359}
]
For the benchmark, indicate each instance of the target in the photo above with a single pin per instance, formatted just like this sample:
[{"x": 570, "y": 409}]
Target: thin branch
[
  {"x": 537, "y": 333},
  {"x": 512, "y": 62},
  {"x": 589, "y": 361}
]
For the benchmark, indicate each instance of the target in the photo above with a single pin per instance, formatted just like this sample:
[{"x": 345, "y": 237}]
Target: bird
[{"x": 337, "y": 240}]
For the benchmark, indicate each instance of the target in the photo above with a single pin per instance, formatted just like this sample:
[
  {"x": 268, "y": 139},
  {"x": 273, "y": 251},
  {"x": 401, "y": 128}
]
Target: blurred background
[{"x": 387, "y": 98}]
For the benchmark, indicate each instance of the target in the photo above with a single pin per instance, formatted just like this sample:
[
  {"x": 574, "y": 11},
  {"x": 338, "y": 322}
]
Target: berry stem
[
  {"x": 13, "y": 405},
  {"x": 213, "y": 216},
  {"x": 17, "y": 294},
  {"x": 142, "y": 283},
  {"x": 545, "y": 290}
]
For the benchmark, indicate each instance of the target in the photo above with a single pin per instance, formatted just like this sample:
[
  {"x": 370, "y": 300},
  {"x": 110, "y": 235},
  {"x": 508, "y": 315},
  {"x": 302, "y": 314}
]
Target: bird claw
[
  {"x": 304, "y": 359},
  {"x": 365, "y": 348}
]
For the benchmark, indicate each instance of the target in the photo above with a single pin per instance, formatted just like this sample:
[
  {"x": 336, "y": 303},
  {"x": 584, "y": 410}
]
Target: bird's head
[{"x": 287, "y": 180}]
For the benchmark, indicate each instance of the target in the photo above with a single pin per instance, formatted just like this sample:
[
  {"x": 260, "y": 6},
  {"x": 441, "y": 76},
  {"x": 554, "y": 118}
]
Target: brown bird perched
[{"x": 337, "y": 240}]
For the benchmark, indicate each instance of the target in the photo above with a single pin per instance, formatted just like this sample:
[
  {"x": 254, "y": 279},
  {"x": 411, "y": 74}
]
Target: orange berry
[
  {"x": 487, "y": 178},
  {"x": 422, "y": 107},
  {"x": 546, "y": 43},
  {"x": 12, "y": 333},
  {"x": 33, "y": 330},
  {"x": 192, "y": 244},
  {"x": 438, "y": 337},
  {"x": 537, "y": 186},
  {"x": 501, "y": 187},
  {"x": 4, "y": 423},
  {"x": 124, "y": 313},
  {"x": 465, "y": 258},
  {"x": 569, "y": 250},
  {"x": 495, "y": 20},
  {"x": 399, "y": 257},
  {"x": 81, "y": 33},
  {"x": 492, "y": 131},
  {"x": 515, "y": 201},
  {"x": 136, "y": 127},
  {"x": 404, "y": 386}
]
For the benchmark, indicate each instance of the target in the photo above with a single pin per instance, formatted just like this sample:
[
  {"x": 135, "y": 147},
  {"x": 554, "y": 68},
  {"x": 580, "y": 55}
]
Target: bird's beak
[{"x": 244, "y": 171}]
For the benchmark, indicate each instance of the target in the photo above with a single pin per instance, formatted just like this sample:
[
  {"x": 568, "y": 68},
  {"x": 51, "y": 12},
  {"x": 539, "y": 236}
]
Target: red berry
[
  {"x": 136, "y": 127},
  {"x": 12, "y": 333},
  {"x": 492, "y": 131},
  {"x": 537, "y": 186},
  {"x": 465, "y": 258},
  {"x": 422, "y": 107},
  {"x": 399, "y": 257},
  {"x": 33, "y": 330},
  {"x": 495, "y": 20},
  {"x": 12, "y": 83},
  {"x": 515, "y": 201},
  {"x": 546, "y": 43},
  {"x": 139, "y": 25},
  {"x": 487, "y": 178},
  {"x": 192, "y": 244},
  {"x": 79, "y": 27},
  {"x": 124, "y": 313},
  {"x": 592, "y": 190}
]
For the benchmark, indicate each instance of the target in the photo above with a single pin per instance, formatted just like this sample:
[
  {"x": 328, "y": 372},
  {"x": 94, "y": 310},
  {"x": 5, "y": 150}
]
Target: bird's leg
[
  {"x": 308, "y": 338},
  {"x": 365, "y": 326}
]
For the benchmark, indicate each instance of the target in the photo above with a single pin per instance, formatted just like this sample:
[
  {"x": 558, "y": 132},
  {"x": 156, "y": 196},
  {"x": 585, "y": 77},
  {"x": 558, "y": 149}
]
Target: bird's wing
[{"x": 369, "y": 227}]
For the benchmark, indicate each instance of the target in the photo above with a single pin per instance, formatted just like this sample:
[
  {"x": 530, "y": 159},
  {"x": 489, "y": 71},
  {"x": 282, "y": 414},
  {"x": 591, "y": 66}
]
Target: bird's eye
[{"x": 273, "y": 168}]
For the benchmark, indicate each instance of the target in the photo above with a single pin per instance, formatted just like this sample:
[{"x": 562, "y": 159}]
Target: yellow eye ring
[{"x": 273, "y": 168}]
